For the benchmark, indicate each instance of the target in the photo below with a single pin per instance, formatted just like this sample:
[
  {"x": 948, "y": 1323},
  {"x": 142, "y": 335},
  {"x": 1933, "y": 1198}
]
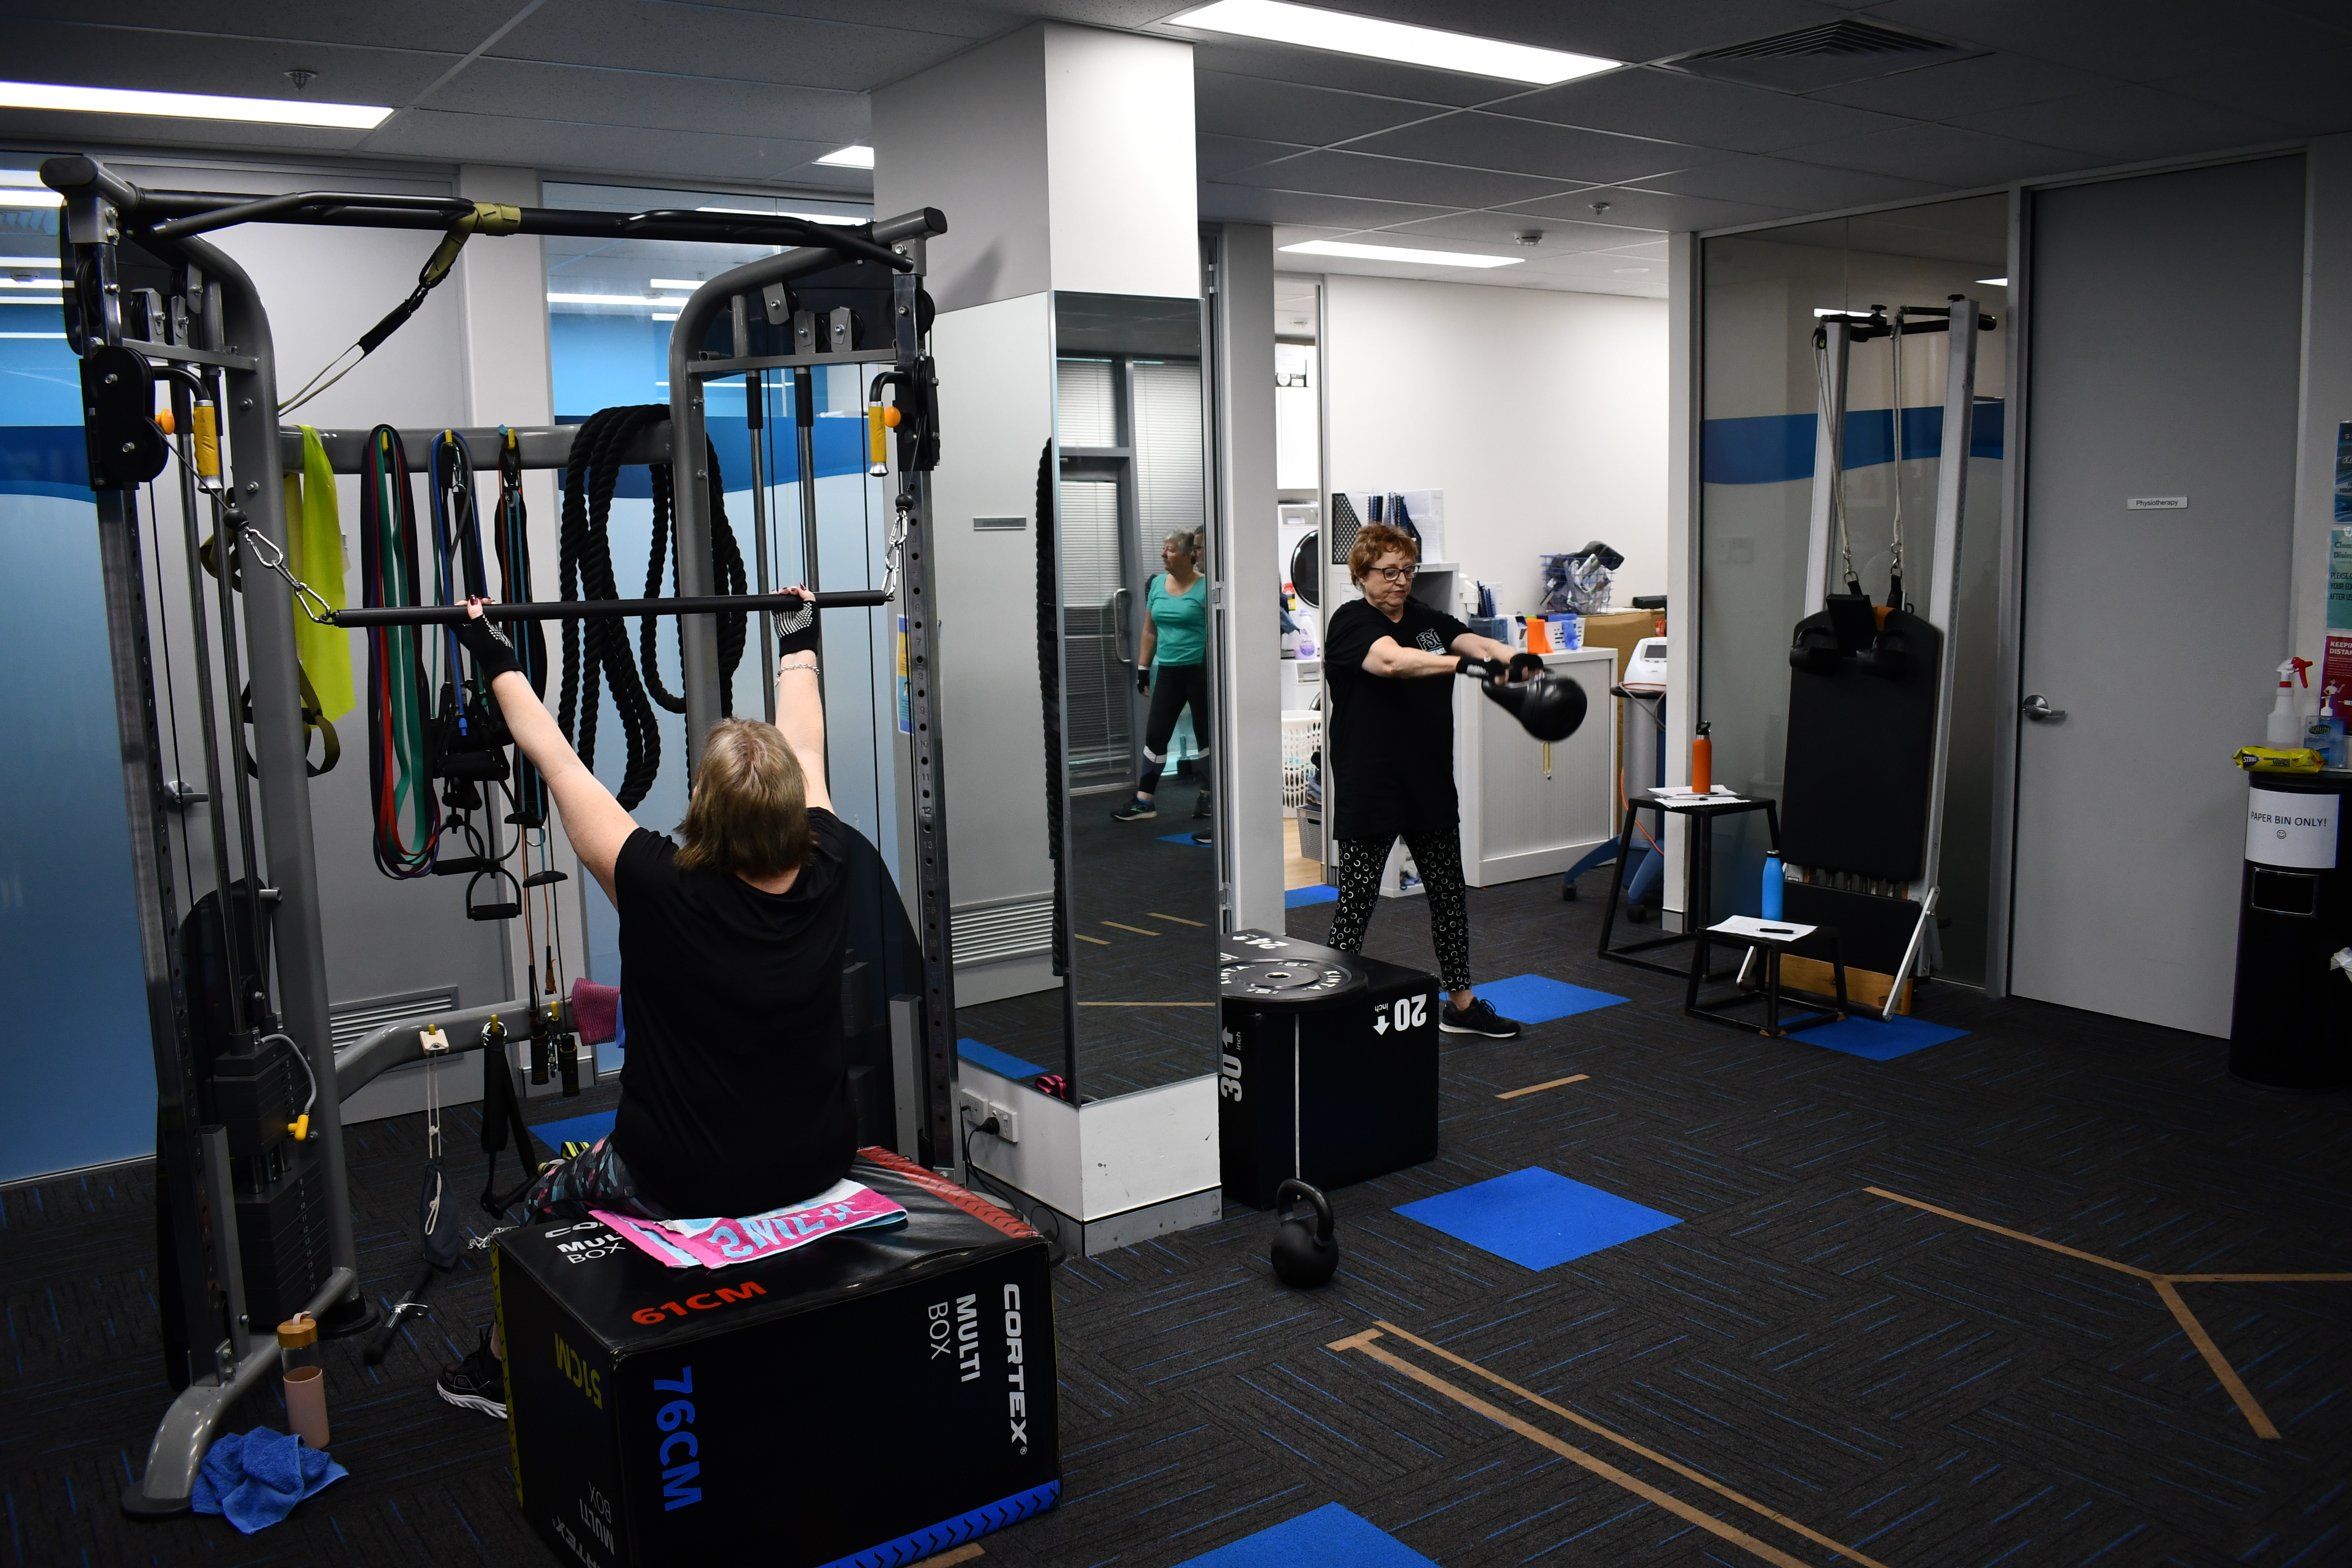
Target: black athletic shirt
[
  {"x": 736, "y": 1096},
  {"x": 1390, "y": 741}
]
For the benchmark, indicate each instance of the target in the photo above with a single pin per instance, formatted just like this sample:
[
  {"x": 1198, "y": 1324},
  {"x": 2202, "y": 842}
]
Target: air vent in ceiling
[{"x": 1820, "y": 56}]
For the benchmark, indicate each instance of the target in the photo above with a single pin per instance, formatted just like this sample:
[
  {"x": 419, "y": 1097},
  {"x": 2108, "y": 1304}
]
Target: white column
[{"x": 1250, "y": 704}]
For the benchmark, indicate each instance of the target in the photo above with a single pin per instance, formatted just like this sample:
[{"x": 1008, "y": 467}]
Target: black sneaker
[
  {"x": 1204, "y": 837},
  {"x": 1478, "y": 1018},
  {"x": 478, "y": 1382},
  {"x": 1136, "y": 810},
  {"x": 1201, "y": 806}
]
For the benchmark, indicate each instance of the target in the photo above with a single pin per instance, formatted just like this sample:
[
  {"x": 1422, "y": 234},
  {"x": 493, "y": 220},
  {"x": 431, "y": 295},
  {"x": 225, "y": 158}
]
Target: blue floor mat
[
  {"x": 1183, "y": 839},
  {"x": 1876, "y": 1041},
  {"x": 573, "y": 1129},
  {"x": 1536, "y": 999},
  {"x": 1537, "y": 1218},
  {"x": 1330, "y": 1537},
  {"x": 997, "y": 1061},
  {"x": 1299, "y": 898}
]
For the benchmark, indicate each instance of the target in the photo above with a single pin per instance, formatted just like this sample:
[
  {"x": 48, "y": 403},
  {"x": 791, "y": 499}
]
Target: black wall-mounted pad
[{"x": 1861, "y": 759}]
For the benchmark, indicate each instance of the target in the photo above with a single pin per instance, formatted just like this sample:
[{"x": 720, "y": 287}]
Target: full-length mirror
[{"x": 1125, "y": 621}]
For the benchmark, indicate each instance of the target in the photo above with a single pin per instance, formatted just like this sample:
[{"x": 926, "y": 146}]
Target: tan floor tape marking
[
  {"x": 1598, "y": 1466},
  {"x": 954, "y": 1556},
  {"x": 1539, "y": 1087},
  {"x": 1139, "y": 930},
  {"x": 2232, "y": 1383},
  {"x": 1180, "y": 919}
]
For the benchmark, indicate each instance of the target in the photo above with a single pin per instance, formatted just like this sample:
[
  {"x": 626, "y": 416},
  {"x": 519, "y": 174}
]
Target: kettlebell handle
[{"x": 1313, "y": 1196}]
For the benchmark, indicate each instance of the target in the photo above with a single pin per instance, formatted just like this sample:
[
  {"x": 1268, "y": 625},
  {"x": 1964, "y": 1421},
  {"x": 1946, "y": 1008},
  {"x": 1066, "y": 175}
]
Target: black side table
[
  {"x": 1770, "y": 939},
  {"x": 1698, "y": 878}
]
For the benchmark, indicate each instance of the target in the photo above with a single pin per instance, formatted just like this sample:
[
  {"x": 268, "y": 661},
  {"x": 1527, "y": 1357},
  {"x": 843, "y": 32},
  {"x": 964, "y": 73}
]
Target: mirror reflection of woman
[{"x": 1173, "y": 669}]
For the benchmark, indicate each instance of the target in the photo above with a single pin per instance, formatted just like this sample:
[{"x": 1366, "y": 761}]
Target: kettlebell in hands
[{"x": 1305, "y": 1256}]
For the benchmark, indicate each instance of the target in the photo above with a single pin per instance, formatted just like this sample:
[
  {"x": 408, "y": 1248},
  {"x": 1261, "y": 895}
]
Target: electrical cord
[
  {"x": 303, "y": 1118},
  {"x": 1056, "y": 1253}
]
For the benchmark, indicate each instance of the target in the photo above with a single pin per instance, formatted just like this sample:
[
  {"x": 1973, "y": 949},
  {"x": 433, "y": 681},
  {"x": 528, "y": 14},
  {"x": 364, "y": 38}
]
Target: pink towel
[{"x": 594, "y": 1010}]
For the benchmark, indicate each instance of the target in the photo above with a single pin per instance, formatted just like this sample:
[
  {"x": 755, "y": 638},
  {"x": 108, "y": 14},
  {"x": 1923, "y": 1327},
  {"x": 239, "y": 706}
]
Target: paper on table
[
  {"x": 1749, "y": 926},
  {"x": 1677, "y": 789}
]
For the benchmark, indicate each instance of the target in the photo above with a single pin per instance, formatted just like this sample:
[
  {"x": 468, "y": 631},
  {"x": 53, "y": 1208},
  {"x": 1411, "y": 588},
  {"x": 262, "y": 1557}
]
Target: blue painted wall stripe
[{"x": 1774, "y": 448}]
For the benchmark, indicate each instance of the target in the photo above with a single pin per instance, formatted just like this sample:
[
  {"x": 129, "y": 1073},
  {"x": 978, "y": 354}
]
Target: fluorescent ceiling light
[
  {"x": 51, "y": 284},
  {"x": 671, "y": 317},
  {"x": 1399, "y": 254},
  {"x": 1995, "y": 282},
  {"x": 688, "y": 284},
  {"x": 857, "y": 155},
  {"x": 191, "y": 105},
  {"x": 1336, "y": 30},
  {"x": 11, "y": 198},
  {"x": 49, "y": 261}
]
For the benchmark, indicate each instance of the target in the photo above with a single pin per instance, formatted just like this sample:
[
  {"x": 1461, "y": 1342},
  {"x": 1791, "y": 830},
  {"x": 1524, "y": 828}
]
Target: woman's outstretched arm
[{"x": 594, "y": 821}]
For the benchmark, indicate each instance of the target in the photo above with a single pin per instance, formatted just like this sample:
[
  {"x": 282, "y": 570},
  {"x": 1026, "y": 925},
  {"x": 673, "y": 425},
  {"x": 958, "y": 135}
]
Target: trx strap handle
[
  {"x": 608, "y": 609},
  {"x": 399, "y": 699}
]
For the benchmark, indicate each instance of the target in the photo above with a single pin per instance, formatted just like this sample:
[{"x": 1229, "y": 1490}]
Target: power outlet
[
  {"x": 975, "y": 1107},
  {"x": 1008, "y": 1122}
]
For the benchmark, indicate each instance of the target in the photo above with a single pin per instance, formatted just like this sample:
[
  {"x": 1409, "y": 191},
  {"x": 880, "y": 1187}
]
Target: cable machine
[
  {"x": 249, "y": 1131},
  {"x": 1871, "y": 684}
]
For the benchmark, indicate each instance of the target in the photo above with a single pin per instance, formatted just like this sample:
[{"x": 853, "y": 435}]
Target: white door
[{"x": 2165, "y": 322}]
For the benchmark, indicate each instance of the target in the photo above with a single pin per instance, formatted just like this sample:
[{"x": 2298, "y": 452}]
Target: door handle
[
  {"x": 2037, "y": 708},
  {"x": 1120, "y": 599}
]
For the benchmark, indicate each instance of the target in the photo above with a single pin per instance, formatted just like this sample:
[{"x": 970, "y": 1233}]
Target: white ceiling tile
[
  {"x": 1396, "y": 179},
  {"x": 437, "y": 26},
  {"x": 1217, "y": 156},
  {"x": 523, "y": 90},
  {"x": 2310, "y": 94},
  {"x": 1562, "y": 152},
  {"x": 2129, "y": 123},
  {"x": 1640, "y": 212},
  {"x": 1260, "y": 107},
  {"x": 1500, "y": 231},
  {"x": 1777, "y": 182},
  {"x": 1669, "y": 105},
  {"x": 1336, "y": 215},
  {"x": 604, "y": 149},
  {"x": 196, "y": 62},
  {"x": 708, "y": 41},
  {"x": 1961, "y": 87},
  {"x": 1943, "y": 155}
]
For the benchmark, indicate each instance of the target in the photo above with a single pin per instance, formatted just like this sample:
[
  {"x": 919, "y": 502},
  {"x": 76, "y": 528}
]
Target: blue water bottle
[{"x": 1773, "y": 883}]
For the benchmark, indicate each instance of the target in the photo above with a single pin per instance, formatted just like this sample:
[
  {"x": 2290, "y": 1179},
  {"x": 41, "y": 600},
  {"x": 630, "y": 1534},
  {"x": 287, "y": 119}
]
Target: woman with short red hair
[{"x": 1388, "y": 660}]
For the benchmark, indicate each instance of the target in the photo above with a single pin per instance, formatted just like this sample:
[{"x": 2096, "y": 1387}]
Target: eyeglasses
[{"x": 1393, "y": 573}]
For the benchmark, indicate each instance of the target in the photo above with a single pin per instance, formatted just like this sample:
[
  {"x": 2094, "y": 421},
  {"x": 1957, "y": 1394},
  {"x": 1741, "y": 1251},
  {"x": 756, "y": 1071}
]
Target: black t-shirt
[
  {"x": 736, "y": 1096},
  {"x": 1389, "y": 740}
]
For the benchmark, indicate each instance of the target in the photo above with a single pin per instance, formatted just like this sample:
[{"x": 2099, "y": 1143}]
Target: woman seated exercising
[{"x": 736, "y": 1096}]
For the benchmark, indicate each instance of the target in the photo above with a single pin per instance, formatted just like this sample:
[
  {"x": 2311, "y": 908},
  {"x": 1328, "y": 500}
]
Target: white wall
[{"x": 1541, "y": 415}]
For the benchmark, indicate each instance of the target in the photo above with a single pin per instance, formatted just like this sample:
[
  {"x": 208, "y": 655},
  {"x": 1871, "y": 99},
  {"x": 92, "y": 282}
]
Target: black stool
[{"x": 1771, "y": 938}]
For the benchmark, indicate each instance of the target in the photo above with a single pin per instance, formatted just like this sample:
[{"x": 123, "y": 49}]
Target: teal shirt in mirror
[{"x": 1181, "y": 621}]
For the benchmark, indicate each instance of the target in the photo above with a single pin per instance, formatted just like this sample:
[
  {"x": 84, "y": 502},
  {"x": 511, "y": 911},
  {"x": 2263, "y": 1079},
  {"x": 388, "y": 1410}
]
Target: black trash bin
[{"x": 2291, "y": 1024}]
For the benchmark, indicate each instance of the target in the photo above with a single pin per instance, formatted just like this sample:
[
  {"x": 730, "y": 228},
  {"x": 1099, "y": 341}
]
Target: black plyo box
[
  {"x": 873, "y": 1398},
  {"x": 1333, "y": 1088}
]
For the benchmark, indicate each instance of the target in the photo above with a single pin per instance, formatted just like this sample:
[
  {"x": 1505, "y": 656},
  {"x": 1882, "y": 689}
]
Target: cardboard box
[{"x": 874, "y": 1398}]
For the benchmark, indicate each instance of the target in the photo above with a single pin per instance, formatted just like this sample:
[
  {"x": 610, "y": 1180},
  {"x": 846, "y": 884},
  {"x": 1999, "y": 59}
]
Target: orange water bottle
[{"x": 1701, "y": 768}]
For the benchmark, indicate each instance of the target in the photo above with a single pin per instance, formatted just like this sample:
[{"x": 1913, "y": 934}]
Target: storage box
[
  {"x": 874, "y": 1398},
  {"x": 1329, "y": 1071}
]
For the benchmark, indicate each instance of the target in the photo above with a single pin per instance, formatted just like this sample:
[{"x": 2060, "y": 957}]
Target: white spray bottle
[{"x": 2285, "y": 723}]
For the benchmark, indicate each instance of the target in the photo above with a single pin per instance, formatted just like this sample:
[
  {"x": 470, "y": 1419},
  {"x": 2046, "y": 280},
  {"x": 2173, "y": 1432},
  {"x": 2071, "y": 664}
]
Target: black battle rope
[
  {"x": 510, "y": 536},
  {"x": 586, "y": 568},
  {"x": 726, "y": 572},
  {"x": 1049, "y": 683}
]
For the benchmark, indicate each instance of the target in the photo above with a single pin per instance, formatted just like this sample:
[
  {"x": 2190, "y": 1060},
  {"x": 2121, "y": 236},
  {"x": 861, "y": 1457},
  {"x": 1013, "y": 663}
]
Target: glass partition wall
[{"x": 1760, "y": 294}]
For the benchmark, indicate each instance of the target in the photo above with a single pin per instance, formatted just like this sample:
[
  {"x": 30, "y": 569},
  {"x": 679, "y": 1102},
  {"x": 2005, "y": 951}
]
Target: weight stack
[{"x": 282, "y": 1235}]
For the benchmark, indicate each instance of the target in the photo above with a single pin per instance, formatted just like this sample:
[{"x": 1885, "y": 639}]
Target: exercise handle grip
[{"x": 600, "y": 609}]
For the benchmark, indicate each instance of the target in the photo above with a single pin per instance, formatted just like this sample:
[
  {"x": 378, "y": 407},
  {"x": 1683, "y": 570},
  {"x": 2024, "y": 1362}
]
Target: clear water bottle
[{"x": 306, "y": 1379}]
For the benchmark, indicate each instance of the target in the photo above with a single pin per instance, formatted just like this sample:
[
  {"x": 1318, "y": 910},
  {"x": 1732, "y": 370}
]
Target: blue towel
[{"x": 256, "y": 1479}]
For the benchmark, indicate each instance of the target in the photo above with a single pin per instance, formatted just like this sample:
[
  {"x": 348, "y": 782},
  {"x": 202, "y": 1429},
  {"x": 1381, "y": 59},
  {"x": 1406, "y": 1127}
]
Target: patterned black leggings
[{"x": 1437, "y": 856}]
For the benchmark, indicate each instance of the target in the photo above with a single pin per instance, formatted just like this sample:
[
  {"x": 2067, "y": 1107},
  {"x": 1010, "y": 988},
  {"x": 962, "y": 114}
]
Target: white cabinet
[{"x": 1529, "y": 809}]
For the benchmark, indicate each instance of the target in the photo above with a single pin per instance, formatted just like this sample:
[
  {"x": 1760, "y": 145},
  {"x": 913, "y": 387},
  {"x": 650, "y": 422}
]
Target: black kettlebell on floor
[{"x": 1304, "y": 1255}]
